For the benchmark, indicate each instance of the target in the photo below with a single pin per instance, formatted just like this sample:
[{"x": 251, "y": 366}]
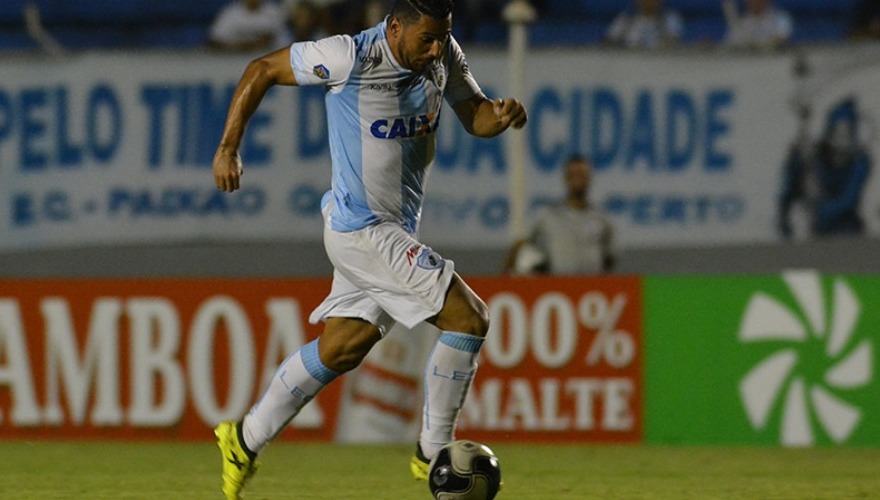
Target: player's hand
[
  {"x": 227, "y": 170},
  {"x": 510, "y": 112}
]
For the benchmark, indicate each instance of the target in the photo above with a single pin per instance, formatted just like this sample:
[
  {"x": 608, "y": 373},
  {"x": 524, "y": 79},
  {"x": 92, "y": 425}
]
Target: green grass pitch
[{"x": 90, "y": 470}]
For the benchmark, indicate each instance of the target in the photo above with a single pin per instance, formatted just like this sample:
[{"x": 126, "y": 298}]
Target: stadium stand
[
  {"x": 172, "y": 24},
  {"x": 111, "y": 24}
]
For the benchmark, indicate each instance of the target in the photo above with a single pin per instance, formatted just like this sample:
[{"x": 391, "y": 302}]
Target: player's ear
[{"x": 395, "y": 26}]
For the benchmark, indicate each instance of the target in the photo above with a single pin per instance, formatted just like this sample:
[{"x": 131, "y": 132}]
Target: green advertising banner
[{"x": 769, "y": 360}]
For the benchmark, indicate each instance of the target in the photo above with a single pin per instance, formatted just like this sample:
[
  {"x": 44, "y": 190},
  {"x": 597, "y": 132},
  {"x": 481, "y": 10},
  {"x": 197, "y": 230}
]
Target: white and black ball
[{"x": 464, "y": 470}]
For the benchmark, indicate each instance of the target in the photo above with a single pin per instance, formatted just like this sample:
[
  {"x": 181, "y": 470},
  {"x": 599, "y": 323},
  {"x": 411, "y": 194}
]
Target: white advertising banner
[{"x": 117, "y": 148}]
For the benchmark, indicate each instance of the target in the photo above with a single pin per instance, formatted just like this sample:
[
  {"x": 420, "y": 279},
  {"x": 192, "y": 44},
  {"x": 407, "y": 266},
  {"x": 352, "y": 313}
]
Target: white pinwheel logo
[{"x": 783, "y": 373}]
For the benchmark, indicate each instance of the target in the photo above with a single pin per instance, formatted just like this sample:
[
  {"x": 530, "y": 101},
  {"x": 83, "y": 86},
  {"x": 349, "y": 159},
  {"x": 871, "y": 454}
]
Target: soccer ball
[{"x": 464, "y": 470}]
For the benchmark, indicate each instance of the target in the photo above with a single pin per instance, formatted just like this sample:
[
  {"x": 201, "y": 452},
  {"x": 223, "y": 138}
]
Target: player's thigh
[{"x": 463, "y": 310}]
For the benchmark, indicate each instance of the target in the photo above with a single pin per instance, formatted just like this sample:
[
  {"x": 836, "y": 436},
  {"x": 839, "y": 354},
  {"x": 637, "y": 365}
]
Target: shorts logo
[
  {"x": 411, "y": 253},
  {"x": 429, "y": 259},
  {"x": 424, "y": 257},
  {"x": 321, "y": 72}
]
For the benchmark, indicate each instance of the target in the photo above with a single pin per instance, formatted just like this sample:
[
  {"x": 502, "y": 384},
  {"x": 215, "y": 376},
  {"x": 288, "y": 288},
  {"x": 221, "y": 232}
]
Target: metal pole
[{"x": 517, "y": 14}]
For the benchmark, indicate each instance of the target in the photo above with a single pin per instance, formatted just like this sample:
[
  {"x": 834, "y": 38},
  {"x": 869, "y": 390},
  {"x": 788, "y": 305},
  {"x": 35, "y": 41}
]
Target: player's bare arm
[
  {"x": 484, "y": 117},
  {"x": 259, "y": 76}
]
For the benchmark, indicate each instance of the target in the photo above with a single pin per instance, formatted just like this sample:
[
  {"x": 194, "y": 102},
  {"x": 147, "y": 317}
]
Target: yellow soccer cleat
[
  {"x": 419, "y": 465},
  {"x": 238, "y": 465}
]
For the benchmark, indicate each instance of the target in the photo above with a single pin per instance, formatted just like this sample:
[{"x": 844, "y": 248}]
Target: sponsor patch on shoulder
[{"x": 321, "y": 72}]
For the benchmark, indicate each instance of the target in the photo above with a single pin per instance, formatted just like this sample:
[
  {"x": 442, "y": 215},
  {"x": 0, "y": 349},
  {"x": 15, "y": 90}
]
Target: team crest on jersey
[{"x": 321, "y": 72}]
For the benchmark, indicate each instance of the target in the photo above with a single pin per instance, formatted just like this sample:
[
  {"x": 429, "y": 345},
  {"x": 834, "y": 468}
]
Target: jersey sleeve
[
  {"x": 328, "y": 61},
  {"x": 462, "y": 84}
]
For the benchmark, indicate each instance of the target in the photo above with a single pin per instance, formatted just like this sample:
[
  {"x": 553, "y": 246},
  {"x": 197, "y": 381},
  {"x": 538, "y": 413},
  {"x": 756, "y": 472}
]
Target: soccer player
[{"x": 384, "y": 88}]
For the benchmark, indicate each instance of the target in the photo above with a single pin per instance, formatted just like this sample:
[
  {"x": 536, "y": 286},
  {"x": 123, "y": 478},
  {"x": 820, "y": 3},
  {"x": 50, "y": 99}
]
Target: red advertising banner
[
  {"x": 562, "y": 361},
  {"x": 149, "y": 359},
  {"x": 167, "y": 359}
]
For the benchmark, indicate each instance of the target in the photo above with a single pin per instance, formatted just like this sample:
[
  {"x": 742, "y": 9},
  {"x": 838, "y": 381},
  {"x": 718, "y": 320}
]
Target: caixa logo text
[{"x": 404, "y": 127}]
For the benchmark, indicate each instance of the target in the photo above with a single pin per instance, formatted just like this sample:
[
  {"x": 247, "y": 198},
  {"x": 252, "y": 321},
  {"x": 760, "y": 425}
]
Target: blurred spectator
[
  {"x": 866, "y": 20},
  {"x": 249, "y": 25},
  {"x": 305, "y": 20},
  {"x": 569, "y": 237},
  {"x": 827, "y": 179},
  {"x": 650, "y": 26},
  {"x": 761, "y": 26}
]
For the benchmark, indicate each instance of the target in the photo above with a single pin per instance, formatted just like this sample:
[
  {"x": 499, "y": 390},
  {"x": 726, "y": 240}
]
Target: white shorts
[{"x": 382, "y": 274}]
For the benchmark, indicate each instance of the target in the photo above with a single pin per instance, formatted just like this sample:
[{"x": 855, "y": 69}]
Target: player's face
[{"x": 417, "y": 44}]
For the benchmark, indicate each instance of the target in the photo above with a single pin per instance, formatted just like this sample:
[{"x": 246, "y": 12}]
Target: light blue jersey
[{"x": 382, "y": 119}]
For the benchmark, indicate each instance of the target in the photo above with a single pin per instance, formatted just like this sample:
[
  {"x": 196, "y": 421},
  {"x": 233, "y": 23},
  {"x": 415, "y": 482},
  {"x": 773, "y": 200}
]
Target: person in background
[
  {"x": 762, "y": 26},
  {"x": 249, "y": 25},
  {"x": 651, "y": 26},
  {"x": 827, "y": 179},
  {"x": 569, "y": 237},
  {"x": 865, "y": 23}
]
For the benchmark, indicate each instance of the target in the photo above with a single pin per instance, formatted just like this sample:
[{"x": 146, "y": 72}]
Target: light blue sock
[
  {"x": 299, "y": 379},
  {"x": 448, "y": 377}
]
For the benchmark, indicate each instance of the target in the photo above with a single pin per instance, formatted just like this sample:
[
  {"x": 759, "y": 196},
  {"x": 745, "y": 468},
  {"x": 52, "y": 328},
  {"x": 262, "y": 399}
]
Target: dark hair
[{"x": 411, "y": 10}]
